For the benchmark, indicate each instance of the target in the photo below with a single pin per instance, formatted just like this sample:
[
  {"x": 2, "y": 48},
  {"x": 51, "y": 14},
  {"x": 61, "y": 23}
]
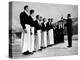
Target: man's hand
[
  {"x": 31, "y": 33},
  {"x": 25, "y": 31}
]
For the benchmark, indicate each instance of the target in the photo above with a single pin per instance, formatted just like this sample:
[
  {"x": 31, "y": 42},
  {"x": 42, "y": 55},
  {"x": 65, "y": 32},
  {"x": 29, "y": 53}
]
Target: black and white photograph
[{"x": 42, "y": 30}]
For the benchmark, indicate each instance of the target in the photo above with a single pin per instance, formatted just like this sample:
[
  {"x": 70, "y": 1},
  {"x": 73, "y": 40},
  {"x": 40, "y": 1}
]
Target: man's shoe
[
  {"x": 34, "y": 51},
  {"x": 39, "y": 49},
  {"x": 26, "y": 53},
  {"x": 69, "y": 46},
  {"x": 30, "y": 52},
  {"x": 42, "y": 47}
]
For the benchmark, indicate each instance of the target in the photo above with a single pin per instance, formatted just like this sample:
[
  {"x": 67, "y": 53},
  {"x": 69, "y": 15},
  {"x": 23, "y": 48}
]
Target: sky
[{"x": 55, "y": 11}]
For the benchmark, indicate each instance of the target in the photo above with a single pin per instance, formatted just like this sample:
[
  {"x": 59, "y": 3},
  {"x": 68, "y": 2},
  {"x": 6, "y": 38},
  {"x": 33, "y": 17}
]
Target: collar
[{"x": 26, "y": 13}]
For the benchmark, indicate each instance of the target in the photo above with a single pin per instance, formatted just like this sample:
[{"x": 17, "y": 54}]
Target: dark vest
[{"x": 24, "y": 19}]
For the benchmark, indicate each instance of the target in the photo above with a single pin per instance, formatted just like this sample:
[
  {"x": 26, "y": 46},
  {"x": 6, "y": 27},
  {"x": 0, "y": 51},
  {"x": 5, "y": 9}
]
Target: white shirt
[
  {"x": 45, "y": 23},
  {"x": 27, "y": 13}
]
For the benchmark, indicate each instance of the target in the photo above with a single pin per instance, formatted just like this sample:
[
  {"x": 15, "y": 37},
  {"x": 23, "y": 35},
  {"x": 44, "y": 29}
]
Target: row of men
[{"x": 38, "y": 34}]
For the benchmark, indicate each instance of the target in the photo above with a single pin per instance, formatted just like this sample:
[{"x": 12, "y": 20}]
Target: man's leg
[
  {"x": 39, "y": 40},
  {"x": 32, "y": 40},
  {"x": 69, "y": 41},
  {"x": 52, "y": 41}
]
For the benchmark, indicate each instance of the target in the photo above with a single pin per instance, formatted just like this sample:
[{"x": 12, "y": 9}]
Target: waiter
[
  {"x": 55, "y": 33},
  {"x": 48, "y": 28},
  {"x": 24, "y": 21},
  {"x": 52, "y": 33},
  {"x": 44, "y": 34},
  {"x": 69, "y": 30},
  {"x": 38, "y": 33},
  {"x": 62, "y": 30},
  {"x": 32, "y": 37}
]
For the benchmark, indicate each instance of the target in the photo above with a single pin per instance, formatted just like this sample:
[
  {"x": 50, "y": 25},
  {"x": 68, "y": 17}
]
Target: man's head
[
  {"x": 32, "y": 12},
  {"x": 61, "y": 18},
  {"x": 26, "y": 8},
  {"x": 48, "y": 19},
  {"x": 51, "y": 19},
  {"x": 68, "y": 16},
  {"x": 44, "y": 19},
  {"x": 40, "y": 18},
  {"x": 37, "y": 17}
]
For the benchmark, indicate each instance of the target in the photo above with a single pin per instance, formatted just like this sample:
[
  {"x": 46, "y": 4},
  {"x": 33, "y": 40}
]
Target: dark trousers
[
  {"x": 62, "y": 37},
  {"x": 69, "y": 40}
]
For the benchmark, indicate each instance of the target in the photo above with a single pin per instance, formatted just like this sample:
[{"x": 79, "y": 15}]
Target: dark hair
[
  {"x": 37, "y": 16},
  {"x": 26, "y": 6},
  {"x": 51, "y": 18},
  {"x": 48, "y": 19},
  {"x": 40, "y": 16},
  {"x": 61, "y": 17},
  {"x": 44, "y": 19},
  {"x": 31, "y": 11},
  {"x": 68, "y": 15}
]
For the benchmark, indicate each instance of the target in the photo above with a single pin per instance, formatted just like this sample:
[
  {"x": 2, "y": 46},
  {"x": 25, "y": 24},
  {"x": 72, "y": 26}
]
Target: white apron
[
  {"x": 63, "y": 26},
  {"x": 32, "y": 39},
  {"x": 48, "y": 39},
  {"x": 44, "y": 39},
  {"x": 51, "y": 36},
  {"x": 38, "y": 39},
  {"x": 26, "y": 40},
  {"x": 22, "y": 38}
]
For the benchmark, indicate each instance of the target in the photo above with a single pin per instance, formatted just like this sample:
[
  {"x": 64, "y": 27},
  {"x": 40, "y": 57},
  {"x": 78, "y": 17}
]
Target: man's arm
[
  {"x": 65, "y": 22},
  {"x": 71, "y": 26},
  {"x": 22, "y": 21}
]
